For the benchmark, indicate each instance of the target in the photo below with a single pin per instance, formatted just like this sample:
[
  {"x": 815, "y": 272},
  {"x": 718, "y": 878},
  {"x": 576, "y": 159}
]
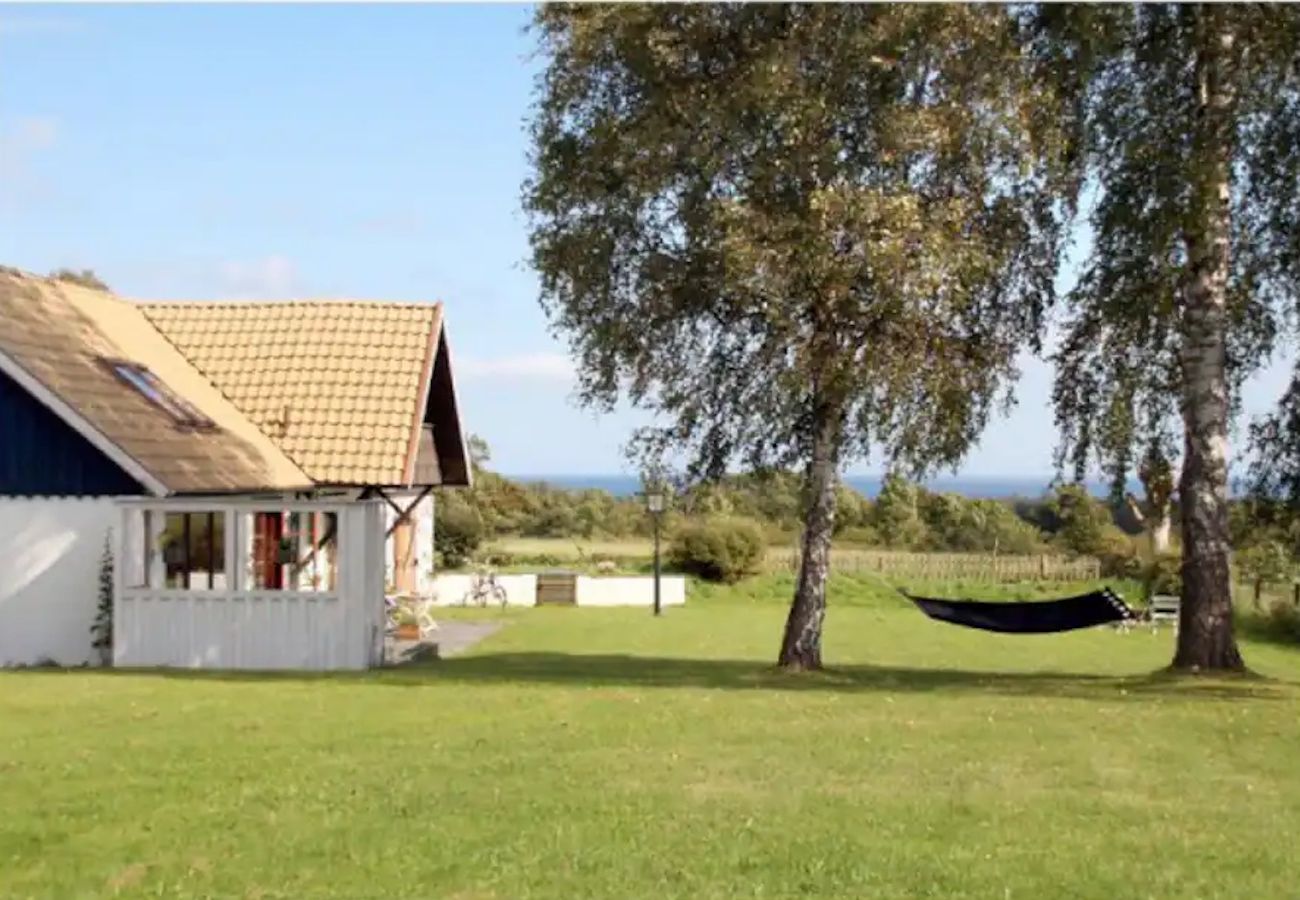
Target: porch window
[
  {"x": 296, "y": 551},
  {"x": 194, "y": 551}
]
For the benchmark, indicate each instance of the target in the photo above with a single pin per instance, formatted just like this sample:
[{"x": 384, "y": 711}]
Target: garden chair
[
  {"x": 424, "y": 617},
  {"x": 1163, "y": 608}
]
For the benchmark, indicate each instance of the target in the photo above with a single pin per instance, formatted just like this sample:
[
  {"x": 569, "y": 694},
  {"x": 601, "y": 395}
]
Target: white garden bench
[{"x": 1163, "y": 608}]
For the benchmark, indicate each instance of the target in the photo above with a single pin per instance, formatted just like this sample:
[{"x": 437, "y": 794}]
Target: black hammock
[{"x": 1038, "y": 617}]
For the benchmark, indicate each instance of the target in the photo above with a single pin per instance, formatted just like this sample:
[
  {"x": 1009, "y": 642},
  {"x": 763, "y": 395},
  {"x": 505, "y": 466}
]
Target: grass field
[{"x": 602, "y": 753}]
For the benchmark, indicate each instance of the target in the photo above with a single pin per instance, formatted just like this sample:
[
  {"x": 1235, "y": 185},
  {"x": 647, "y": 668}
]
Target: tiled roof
[
  {"x": 59, "y": 335},
  {"x": 339, "y": 386}
]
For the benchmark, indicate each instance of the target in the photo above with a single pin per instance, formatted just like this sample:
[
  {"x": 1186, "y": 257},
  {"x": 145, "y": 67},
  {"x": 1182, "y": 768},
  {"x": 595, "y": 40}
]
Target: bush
[
  {"x": 858, "y": 536},
  {"x": 723, "y": 550},
  {"x": 1279, "y": 622},
  {"x": 458, "y": 533},
  {"x": 1163, "y": 575},
  {"x": 1284, "y": 620},
  {"x": 1118, "y": 554}
]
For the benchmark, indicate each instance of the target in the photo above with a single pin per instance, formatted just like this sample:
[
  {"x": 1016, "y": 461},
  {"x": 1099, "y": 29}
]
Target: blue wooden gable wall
[{"x": 41, "y": 455}]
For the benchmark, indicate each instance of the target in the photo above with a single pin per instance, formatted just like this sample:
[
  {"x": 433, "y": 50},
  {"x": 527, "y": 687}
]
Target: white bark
[{"x": 1205, "y": 639}]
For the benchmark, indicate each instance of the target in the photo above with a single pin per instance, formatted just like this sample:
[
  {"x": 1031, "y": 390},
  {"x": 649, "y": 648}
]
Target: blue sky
[{"x": 363, "y": 151}]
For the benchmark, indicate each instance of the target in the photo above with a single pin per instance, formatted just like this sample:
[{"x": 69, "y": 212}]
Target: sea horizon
[{"x": 973, "y": 486}]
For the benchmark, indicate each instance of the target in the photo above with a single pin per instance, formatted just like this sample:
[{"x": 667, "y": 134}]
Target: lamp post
[{"x": 655, "y": 500}]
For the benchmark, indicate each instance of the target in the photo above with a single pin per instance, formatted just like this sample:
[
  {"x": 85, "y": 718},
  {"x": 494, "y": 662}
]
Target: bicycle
[{"x": 485, "y": 588}]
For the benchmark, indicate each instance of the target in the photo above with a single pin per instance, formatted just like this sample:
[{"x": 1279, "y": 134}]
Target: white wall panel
[{"x": 50, "y": 551}]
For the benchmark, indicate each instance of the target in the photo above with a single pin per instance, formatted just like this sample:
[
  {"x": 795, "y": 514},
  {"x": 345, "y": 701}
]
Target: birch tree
[
  {"x": 795, "y": 233},
  {"x": 1187, "y": 119}
]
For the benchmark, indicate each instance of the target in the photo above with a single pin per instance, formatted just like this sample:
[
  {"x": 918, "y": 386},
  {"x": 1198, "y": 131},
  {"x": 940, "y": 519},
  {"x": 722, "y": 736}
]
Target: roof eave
[{"x": 52, "y": 401}]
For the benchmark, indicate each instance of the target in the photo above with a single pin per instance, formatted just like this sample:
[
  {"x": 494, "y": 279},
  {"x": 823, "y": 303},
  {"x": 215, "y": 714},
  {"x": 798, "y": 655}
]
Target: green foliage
[
  {"x": 1083, "y": 526},
  {"x": 1266, "y": 561},
  {"x": 1163, "y": 575},
  {"x": 101, "y": 630},
  {"x": 720, "y": 549},
  {"x": 1283, "y": 620},
  {"x": 458, "y": 531},
  {"x": 1081, "y": 522},
  {"x": 858, "y": 535},
  {"x": 84, "y": 277},
  {"x": 1155, "y": 144},
  {"x": 896, "y": 514},
  {"x": 956, "y": 523},
  {"x": 1278, "y": 622},
  {"x": 904, "y": 516},
  {"x": 796, "y": 233}
]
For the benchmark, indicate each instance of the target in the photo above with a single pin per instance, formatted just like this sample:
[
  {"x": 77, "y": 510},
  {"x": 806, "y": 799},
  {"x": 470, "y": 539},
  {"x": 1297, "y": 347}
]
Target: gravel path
[{"x": 452, "y": 638}]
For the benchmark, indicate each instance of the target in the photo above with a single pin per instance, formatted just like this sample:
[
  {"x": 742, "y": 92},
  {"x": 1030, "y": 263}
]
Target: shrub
[
  {"x": 458, "y": 533},
  {"x": 1265, "y": 562},
  {"x": 1163, "y": 575},
  {"x": 718, "y": 549},
  {"x": 1284, "y": 620},
  {"x": 859, "y": 535},
  {"x": 1279, "y": 622},
  {"x": 499, "y": 559},
  {"x": 1118, "y": 554}
]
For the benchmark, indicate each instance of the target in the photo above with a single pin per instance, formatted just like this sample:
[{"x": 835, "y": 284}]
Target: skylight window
[{"x": 144, "y": 381}]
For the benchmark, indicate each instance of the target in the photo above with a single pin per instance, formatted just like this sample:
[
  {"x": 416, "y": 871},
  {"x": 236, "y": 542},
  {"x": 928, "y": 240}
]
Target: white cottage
[{"x": 261, "y": 471}]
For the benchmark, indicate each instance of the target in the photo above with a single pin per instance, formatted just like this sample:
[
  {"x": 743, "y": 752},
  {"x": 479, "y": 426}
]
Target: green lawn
[{"x": 601, "y": 753}]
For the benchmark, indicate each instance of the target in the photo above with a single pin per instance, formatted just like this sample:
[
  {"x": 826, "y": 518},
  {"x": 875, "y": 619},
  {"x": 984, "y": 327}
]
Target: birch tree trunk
[
  {"x": 801, "y": 647},
  {"x": 1205, "y": 635},
  {"x": 1160, "y": 527}
]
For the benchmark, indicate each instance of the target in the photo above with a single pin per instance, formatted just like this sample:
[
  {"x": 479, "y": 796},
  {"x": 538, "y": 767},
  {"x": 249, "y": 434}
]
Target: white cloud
[
  {"x": 21, "y": 141},
  {"x": 271, "y": 277},
  {"x": 541, "y": 366},
  {"x": 29, "y": 25}
]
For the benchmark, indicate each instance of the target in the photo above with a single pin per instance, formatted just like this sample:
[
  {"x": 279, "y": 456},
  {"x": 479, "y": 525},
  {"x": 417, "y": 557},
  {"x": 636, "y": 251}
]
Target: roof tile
[{"x": 350, "y": 374}]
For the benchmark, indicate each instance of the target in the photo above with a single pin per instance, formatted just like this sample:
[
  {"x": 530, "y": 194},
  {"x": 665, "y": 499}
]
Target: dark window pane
[
  {"x": 175, "y": 551},
  {"x": 193, "y": 548}
]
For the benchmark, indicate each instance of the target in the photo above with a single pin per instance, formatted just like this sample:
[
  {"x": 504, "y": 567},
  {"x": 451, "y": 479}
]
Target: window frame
[
  {"x": 144, "y": 382},
  {"x": 212, "y": 523}
]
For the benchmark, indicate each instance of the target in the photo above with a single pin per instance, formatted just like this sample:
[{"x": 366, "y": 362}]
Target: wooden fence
[{"x": 948, "y": 566}]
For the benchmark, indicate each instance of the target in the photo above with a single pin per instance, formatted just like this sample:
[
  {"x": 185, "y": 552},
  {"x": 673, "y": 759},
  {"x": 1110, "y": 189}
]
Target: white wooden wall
[
  {"x": 422, "y": 519},
  {"x": 630, "y": 590},
  {"x": 451, "y": 589},
  {"x": 242, "y": 628},
  {"x": 50, "y": 550}
]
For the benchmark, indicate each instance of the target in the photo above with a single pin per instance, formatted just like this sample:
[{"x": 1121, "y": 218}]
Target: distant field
[
  {"x": 847, "y": 559},
  {"x": 572, "y": 549}
]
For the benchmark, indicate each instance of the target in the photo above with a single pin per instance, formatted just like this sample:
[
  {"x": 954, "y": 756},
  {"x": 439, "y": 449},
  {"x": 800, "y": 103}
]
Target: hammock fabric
[{"x": 1043, "y": 617}]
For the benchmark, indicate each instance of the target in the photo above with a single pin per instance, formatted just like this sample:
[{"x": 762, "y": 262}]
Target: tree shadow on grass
[{"x": 618, "y": 670}]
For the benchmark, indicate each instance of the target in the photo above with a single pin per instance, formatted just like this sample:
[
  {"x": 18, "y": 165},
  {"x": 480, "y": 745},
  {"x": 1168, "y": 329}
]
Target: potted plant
[
  {"x": 286, "y": 554},
  {"x": 408, "y": 628}
]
